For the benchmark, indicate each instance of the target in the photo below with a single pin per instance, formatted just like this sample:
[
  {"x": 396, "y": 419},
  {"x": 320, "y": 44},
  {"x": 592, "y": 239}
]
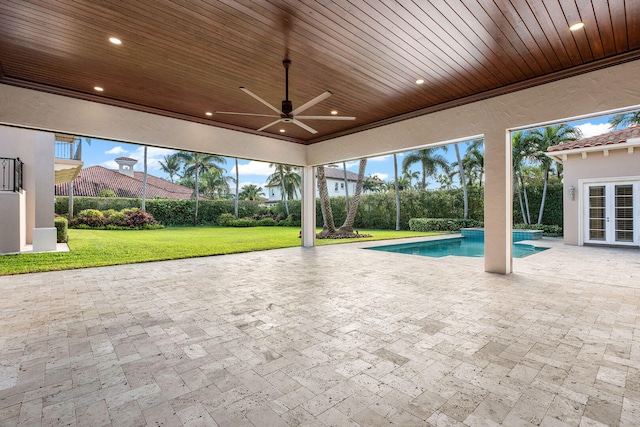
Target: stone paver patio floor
[{"x": 328, "y": 336}]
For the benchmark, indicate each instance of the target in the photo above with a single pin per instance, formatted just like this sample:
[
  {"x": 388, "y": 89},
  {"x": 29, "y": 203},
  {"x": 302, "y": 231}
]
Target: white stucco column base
[
  {"x": 44, "y": 239},
  {"x": 308, "y": 206},
  {"x": 498, "y": 202}
]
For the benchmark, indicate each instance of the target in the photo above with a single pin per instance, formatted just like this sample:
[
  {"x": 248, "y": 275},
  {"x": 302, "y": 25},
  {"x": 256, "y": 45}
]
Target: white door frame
[{"x": 583, "y": 197}]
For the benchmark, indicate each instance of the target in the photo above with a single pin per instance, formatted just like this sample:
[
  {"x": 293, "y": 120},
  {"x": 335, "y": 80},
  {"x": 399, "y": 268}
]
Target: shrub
[
  {"x": 266, "y": 222},
  {"x": 226, "y": 219},
  {"x": 107, "y": 193},
  {"x": 442, "y": 224},
  {"x": 138, "y": 219},
  {"x": 547, "y": 230},
  {"x": 91, "y": 213},
  {"x": 245, "y": 222},
  {"x": 62, "y": 233}
]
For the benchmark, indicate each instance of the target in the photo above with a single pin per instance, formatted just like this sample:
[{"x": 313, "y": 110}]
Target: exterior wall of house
[
  {"x": 36, "y": 150},
  {"x": 335, "y": 187},
  {"x": 618, "y": 164},
  {"x": 13, "y": 225}
]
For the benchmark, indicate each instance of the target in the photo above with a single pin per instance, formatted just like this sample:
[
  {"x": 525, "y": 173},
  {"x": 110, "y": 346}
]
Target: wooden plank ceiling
[{"x": 186, "y": 58}]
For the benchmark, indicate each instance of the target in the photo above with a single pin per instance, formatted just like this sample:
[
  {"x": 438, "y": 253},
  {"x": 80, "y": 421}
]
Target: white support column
[
  {"x": 498, "y": 203},
  {"x": 308, "y": 206}
]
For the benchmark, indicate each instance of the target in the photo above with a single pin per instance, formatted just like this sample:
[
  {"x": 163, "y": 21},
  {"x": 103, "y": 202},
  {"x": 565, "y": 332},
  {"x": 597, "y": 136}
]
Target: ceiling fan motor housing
[{"x": 287, "y": 107}]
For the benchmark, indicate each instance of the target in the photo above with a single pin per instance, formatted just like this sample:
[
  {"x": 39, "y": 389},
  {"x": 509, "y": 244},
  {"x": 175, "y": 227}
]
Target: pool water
[{"x": 460, "y": 246}]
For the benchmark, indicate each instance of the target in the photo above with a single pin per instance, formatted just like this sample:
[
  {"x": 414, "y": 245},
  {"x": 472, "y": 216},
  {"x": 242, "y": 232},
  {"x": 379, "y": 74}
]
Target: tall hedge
[{"x": 375, "y": 211}]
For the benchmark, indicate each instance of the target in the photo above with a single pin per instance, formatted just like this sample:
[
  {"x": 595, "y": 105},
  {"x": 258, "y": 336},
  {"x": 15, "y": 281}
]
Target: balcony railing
[
  {"x": 11, "y": 174},
  {"x": 68, "y": 147}
]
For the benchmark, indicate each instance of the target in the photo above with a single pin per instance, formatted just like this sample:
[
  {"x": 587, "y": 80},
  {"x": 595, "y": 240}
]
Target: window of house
[
  {"x": 342, "y": 185},
  {"x": 336, "y": 186}
]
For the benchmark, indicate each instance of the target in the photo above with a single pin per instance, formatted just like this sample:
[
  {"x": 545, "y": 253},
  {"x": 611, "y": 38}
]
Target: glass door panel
[
  {"x": 597, "y": 213},
  {"x": 624, "y": 213}
]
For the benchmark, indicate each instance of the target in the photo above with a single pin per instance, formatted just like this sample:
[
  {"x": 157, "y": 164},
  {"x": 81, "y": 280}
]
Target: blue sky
[{"x": 104, "y": 153}]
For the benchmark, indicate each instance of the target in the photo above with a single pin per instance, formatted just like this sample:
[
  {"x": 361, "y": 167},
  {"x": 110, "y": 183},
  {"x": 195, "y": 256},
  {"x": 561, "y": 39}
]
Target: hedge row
[
  {"x": 442, "y": 224},
  {"x": 376, "y": 211}
]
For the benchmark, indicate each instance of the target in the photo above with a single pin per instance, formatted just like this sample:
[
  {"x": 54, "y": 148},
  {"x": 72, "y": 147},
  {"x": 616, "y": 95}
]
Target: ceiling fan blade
[
  {"x": 246, "y": 114},
  {"x": 311, "y": 103},
  {"x": 248, "y": 92},
  {"x": 303, "y": 126},
  {"x": 269, "y": 125},
  {"x": 326, "y": 118}
]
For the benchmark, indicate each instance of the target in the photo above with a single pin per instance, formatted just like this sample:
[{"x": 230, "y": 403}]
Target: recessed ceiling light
[
  {"x": 209, "y": 113},
  {"x": 334, "y": 112},
  {"x": 115, "y": 40},
  {"x": 281, "y": 130},
  {"x": 576, "y": 26},
  {"x": 419, "y": 81},
  {"x": 98, "y": 89}
]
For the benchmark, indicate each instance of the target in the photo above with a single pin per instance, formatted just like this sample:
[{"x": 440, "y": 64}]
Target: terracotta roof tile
[
  {"x": 610, "y": 138},
  {"x": 95, "y": 178}
]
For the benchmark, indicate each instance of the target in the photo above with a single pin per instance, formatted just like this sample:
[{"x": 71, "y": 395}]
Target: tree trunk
[
  {"x": 463, "y": 182},
  {"x": 144, "y": 182},
  {"x": 197, "y": 191},
  {"x": 284, "y": 193},
  {"x": 325, "y": 203},
  {"x": 346, "y": 186},
  {"x": 424, "y": 178},
  {"x": 235, "y": 207},
  {"x": 526, "y": 200},
  {"x": 395, "y": 181},
  {"x": 544, "y": 194},
  {"x": 517, "y": 187},
  {"x": 70, "y": 203},
  {"x": 351, "y": 216}
]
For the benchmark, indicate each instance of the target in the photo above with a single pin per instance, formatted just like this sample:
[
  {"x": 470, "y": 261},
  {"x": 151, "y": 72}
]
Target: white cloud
[
  {"x": 380, "y": 158},
  {"x": 154, "y": 156},
  {"x": 116, "y": 150},
  {"x": 110, "y": 164},
  {"x": 380, "y": 175},
  {"x": 589, "y": 129},
  {"x": 253, "y": 168}
]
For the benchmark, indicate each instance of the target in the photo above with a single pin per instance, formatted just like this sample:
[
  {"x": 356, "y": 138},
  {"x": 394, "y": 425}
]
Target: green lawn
[{"x": 94, "y": 248}]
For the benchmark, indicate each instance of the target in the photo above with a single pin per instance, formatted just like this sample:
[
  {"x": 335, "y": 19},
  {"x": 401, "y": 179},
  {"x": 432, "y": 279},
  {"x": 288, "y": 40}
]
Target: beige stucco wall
[
  {"x": 36, "y": 150},
  {"x": 618, "y": 164},
  {"x": 12, "y": 221}
]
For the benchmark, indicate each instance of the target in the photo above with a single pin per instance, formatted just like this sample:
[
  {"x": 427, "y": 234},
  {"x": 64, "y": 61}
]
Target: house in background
[
  {"x": 335, "y": 185},
  {"x": 124, "y": 182},
  {"x": 31, "y": 162},
  {"x": 601, "y": 188}
]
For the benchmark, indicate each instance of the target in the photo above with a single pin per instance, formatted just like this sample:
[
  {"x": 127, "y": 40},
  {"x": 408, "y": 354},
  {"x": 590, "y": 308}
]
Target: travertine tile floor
[{"x": 329, "y": 336}]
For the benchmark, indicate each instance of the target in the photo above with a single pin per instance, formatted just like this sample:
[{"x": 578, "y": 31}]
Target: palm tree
[
  {"x": 235, "y": 204},
  {"x": 251, "y": 192},
  {"x": 347, "y": 227},
  {"x": 396, "y": 188},
  {"x": 76, "y": 156},
  {"x": 463, "y": 179},
  {"x": 143, "y": 206},
  {"x": 193, "y": 165},
  {"x": 541, "y": 139},
  {"x": 346, "y": 185},
  {"x": 624, "y": 120},
  {"x": 429, "y": 161},
  {"x": 171, "y": 165},
  {"x": 406, "y": 181},
  {"x": 289, "y": 180},
  {"x": 215, "y": 183},
  {"x": 519, "y": 154},
  {"x": 473, "y": 162},
  {"x": 328, "y": 226}
]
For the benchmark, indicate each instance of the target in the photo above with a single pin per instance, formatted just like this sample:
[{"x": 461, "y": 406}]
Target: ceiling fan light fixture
[{"x": 577, "y": 26}]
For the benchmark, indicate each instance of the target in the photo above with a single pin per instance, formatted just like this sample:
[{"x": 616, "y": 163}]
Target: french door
[{"x": 611, "y": 213}]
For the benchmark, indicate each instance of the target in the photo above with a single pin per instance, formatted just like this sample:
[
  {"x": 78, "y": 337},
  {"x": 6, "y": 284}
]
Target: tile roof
[
  {"x": 610, "y": 138},
  {"x": 95, "y": 178},
  {"x": 337, "y": 173}
]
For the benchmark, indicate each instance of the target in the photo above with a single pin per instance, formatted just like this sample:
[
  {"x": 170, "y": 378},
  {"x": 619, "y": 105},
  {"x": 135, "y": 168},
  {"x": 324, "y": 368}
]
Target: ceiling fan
[{"x": 287, "y": 114}]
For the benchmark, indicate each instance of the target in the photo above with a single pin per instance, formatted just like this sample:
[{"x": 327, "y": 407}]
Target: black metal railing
[
  {"x": 10, "y": 174},
  {"x": 68, "y": 149}
]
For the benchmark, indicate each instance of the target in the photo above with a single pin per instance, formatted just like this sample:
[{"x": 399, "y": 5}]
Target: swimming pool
[{"x": 460, "y": 246}]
